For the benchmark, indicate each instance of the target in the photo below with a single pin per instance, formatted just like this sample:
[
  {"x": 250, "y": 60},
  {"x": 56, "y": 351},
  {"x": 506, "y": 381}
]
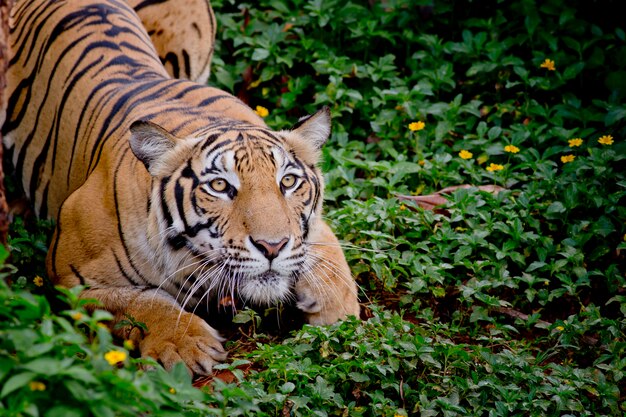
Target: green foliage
[{"x": 503, "y": 305}]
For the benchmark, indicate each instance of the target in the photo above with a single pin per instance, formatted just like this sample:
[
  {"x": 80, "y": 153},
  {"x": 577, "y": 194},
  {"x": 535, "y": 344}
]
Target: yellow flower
[
  {"x": 511, "y": 149},
  {"x": 417, "y": 126},
  {"x": 77, "y": 316},
  {"x": 606, "y": 140},
  {"x": 465, "y": 154},
  {"x": 172, "y": 391},
  {"x": 548, "y": 64},
  {"x": 36, "y": 386},
  {"x": 115, "y": 356},
  {"x": 560, "y": 328},
  {"x": 402, "y": 207},
  {"x": 38, "y": 281},
  {"x": 129, "y": 344},
  {"x": 575, "y": 142},
  {"x": 262, "y": 111},
  {"x": 495, "y": 167},
  {"x": 567, "y": 158}
]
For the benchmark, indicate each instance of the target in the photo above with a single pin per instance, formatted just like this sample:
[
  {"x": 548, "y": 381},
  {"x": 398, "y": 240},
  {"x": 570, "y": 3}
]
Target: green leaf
[
  {"x": 287, "y": 387},
  {"x": 260, "y": 54},
  {"x": 573, "y": 70},
  {"x": 603, "y": 226},
  {"x": 555, "y": 209},
  {"x": 358, "y": 377},
  {"x": 462, "y": 253},
  {"x": 65, "y": 411},
  {"x": 16, "y": 382},
  {"x": 4, "y": 254},
  {"x": 494, "y": 132},
  {"x": 48, "y": 365},
  {"x": 616, "y": 114}
]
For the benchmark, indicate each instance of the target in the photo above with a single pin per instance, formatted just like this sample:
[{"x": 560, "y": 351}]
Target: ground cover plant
[{"x": 492, "y": 304}]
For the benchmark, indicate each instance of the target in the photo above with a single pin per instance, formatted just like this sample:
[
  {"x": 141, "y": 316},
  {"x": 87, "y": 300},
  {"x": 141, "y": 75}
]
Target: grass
[{"x": 507, "y": 304}]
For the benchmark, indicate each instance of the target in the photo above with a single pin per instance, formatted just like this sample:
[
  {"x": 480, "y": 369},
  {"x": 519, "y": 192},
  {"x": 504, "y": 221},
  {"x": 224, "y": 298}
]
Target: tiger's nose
[{"x": 269, "y": 249}]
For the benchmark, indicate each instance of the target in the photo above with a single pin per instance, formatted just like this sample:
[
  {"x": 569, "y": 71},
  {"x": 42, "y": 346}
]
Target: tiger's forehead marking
[{"x": 236, "y": 154}]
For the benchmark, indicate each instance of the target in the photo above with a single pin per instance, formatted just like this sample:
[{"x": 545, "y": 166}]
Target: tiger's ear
[
  {"x": 150, "y": 143},
  {"x": 315, "y": 128},
  {"x": 309, "y": 135}
]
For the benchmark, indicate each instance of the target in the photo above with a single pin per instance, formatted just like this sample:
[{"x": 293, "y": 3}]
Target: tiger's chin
[{"x": 267, "y": 288}]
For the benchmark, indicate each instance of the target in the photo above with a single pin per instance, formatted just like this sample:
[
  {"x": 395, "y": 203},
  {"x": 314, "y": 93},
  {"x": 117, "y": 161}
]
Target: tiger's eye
[
  {"x": 219, "y": 185},
  {"x": 288, "y": 181}
]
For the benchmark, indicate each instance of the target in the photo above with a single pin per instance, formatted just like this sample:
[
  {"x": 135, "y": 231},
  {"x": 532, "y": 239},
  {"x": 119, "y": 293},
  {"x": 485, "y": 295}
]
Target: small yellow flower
[
  {"x": 567, "y": 158},
  {"x": 606, "y": 140},
  {"x": 575, "y": 142},
  {"x": 262, "y": 111},
  {"x": 38, "y": 281},
  {"x": 36, "y": 386},
  {"x": 548, "y": 64},
  {"x": 172, "y": 391},
  {"x": 421, "y": 162},
  {"x": 465, "y": 154},
  {"x": 495, "y": 167},
  {"x": 402, "y": 207},
  {"x": 129, "y": 344},
  {"x": 511, "y": 149},
  {"x": 560, "y": 328},
  {"x": 417, "y": 126},
  {"x": 77, "y": 316},
  {"x": 115, "y": 356},
  {"x": 546, "y": 283}
]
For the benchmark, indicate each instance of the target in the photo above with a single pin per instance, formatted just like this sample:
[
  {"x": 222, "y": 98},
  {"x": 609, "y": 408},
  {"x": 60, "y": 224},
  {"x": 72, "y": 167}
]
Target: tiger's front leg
[
  {"x": 172, "y": 335},
  {"x": 326, "y": 292}
]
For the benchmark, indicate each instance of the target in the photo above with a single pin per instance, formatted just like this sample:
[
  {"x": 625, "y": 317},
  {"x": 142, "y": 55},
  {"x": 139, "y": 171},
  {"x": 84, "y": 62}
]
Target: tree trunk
[{"x": 5, "y": 7}]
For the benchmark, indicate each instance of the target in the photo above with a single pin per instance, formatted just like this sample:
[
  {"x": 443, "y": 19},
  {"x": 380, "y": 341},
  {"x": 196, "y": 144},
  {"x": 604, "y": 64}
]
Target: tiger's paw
[
  {"x": 189, "y": 340},
  {"x": 321, "y": 308}
]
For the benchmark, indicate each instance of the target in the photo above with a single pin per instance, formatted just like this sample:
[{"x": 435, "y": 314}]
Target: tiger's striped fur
[
  {"x": 183, "y": 34},
  {"x": 167, "y": 193}
]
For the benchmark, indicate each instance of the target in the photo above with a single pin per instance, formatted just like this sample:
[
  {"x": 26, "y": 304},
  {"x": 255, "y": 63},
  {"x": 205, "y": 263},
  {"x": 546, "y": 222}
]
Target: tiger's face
[{"x": 234, "y": 207}]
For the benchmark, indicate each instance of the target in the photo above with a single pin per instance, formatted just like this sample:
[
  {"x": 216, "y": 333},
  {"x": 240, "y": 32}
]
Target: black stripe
[
  {"x": 194, "y": 230},
  {"x": 78, "y": 275},
  {"x": 211, "y": 100},
  {"x": 172, "y": 58},
  {"x": 120, "y": 232},
  {"x": 305, "y": 226},
  {"x": 187, "y": 63},
  {"x": 147, "y": 3},
  {"x": 124, "y": 273},
  {"x": 43, "y": 209},
  {"x": 164, "y": 208},
  {"x": 177, "y": 242},
  {"x": 179, "y": 196}
]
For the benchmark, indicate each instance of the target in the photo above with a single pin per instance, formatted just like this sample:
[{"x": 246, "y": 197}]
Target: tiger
[{"x": 168, "y": 194}]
